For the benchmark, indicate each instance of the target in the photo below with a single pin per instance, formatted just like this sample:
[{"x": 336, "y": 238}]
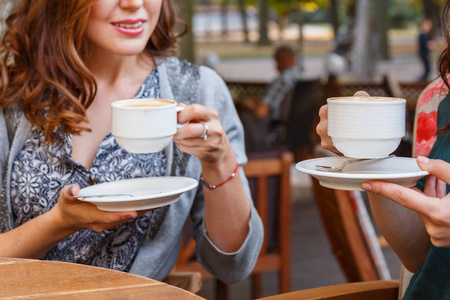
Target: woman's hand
[
  {"x": 215, "y": 149},
  {"x": 322, "y": 130},
  {"x": 432, "y": 206},
  {"x": 322, "y": 127},
  {"x": 73, "y": 214}
]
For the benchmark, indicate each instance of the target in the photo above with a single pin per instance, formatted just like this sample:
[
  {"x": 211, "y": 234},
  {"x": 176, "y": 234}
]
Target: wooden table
[
  {"x": 367, "y": 290},
  {"x": 36, "y": 279}
]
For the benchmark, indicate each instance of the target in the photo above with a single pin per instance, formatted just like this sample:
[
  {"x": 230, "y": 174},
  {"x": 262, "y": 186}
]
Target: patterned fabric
[
  {"x": 12, "y": 117},
  {"x": 278, "y": 89},
  {"x": 41, "y": 170},
  {"x": 184, "y": 86},
  {"x": 426, "y": 117}
]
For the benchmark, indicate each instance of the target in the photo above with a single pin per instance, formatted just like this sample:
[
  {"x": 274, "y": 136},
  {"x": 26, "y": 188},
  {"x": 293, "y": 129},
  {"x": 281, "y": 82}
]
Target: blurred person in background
[
  {"x": 426, "y": 44},
  {"x": 290, "y": 71}
]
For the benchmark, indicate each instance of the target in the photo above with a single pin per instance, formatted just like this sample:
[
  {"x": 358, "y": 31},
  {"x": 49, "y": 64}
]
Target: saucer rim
[{"x": 300, "y": 166}]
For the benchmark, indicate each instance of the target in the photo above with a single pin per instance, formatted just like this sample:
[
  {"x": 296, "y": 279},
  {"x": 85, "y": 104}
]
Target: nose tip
[{"x": 134, "y": 4}]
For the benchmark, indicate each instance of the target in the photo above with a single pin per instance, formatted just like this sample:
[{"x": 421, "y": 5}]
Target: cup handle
[{"x": 180, "y": 108}]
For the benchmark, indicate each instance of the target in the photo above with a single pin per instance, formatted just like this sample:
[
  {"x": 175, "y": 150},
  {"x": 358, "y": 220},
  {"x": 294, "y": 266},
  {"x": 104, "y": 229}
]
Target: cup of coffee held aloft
[
  {"x": 144, "y": 125},
  {"x": 366, "y": 127}
]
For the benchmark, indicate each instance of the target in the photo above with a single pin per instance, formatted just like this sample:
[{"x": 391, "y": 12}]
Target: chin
[
  {"x": 129, "y": 50},
  {"x": 131, "y": 53}
]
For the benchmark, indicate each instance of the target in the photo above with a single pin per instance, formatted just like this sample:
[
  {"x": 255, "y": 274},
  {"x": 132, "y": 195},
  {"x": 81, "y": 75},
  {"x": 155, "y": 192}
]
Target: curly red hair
[{"x": 42, "y": 67}]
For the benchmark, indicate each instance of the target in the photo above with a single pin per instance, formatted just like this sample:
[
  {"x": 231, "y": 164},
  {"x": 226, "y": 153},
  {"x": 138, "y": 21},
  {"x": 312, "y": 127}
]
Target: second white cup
[
  {"x": 366, "y": 127},
  {"x": 144, "y": 125}
]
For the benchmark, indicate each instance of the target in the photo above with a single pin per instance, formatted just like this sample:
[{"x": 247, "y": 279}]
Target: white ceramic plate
[
  {"x": 146, "y": 193},
  {"x": 399, "y": 170}
]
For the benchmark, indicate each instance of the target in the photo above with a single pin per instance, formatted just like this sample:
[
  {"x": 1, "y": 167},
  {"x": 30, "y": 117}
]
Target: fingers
[
  {"x": 322, "y": 130},
  {"x": 361, "y": 94},
  {"x": 407, "y": 197},
  {"x": 108, "y": 220},
  {"x": 441, "y": 189},
  {"x": 437, "y": 167},
  {"x": 70, "y": 191},
  {"x": 196, "y": 112},
  {"x": 430, "y": 186},
  {"x": 76, "y": 214},
  {"x": 194, "y": 130},
  {"x": 323, "y": 112},
  {"x": 202, "y": 120},
  {"x": 322, "y": 127}
]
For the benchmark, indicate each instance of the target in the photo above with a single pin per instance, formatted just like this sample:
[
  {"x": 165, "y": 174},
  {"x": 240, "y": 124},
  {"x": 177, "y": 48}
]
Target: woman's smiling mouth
[{"x": 130, "y": 27}]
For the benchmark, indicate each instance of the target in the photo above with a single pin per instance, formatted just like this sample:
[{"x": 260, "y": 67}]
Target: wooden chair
[
  {"x": 189, "y": 281},
  {"x": 347, "y": 237},
  {"x": 368, "y": 290},
  {"x": 268, "y": 176},
  {"x": 298, "y": 118},
  {"x": 275, "y": 254}
]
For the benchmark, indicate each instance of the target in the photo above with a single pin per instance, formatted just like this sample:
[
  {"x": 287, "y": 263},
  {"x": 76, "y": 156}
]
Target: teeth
[{"x": 135, "y": 25}]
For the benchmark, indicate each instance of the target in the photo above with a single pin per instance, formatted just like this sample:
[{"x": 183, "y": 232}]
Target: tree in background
[
  {"x": 224, "y": 15},
  {"x": 381, "y": 28},
  {"x": 263, "y": 6},
  {"x": 365, "y": 49},
  {"x": 186, "y": 43},
  {"x": 334, "y": 20},
  {"x": 243, "y": 14}
]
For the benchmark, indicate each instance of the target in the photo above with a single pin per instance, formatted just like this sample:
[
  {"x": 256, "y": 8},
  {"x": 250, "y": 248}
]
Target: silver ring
[{"x": 204, "y": 135}]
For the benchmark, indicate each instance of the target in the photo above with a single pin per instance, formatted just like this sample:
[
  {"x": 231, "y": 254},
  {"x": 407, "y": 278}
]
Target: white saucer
[
  {"x": 147, "y": 193},
  {"x": 399, "y": 170}
]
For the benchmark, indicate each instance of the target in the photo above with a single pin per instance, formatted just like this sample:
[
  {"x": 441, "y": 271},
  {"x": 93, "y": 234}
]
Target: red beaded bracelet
[{"x": 212, "y": 187}]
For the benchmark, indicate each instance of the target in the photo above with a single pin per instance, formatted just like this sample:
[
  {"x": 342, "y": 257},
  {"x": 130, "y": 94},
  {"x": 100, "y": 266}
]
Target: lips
[{"x": 129, "y": 27}]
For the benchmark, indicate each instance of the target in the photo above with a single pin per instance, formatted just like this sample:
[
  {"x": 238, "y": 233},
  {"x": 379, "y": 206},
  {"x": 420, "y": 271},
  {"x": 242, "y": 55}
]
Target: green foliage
[
  {"x": 417, "y": 5},
  {"x": 286, "y": 6},
  {"x": 402, "y": 12}
]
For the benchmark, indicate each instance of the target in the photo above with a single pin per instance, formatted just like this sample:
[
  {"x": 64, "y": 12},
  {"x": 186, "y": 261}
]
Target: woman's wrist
[
  {"x": 216, "y": 185},
  {"x": 219, "y": 170},
  {"x": 59, "y": 222}
]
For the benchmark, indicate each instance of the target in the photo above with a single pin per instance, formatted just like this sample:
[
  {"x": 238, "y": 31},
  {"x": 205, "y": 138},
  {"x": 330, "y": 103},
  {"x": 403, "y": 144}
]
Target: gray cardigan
[{"x": 186, "y": 83}]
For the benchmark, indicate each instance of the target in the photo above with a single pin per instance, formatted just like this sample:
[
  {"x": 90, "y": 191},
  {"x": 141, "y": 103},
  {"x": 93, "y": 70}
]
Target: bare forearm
[
  {"x": 403, "y": 230},
  {"x": 34, "y": 238},
  {"x": 227, "y": 213}
]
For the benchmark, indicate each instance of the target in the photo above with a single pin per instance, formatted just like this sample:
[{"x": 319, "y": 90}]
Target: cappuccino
[
  {"x": 145, "y": 103},
  {"x": 368, "y": 99}
]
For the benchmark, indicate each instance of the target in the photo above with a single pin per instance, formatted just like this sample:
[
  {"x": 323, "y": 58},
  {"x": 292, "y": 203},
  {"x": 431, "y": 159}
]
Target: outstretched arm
[{"x": 37, "y": 236}]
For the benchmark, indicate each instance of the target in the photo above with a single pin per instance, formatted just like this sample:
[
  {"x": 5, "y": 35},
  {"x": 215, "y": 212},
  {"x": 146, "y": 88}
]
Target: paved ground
[{"x": 405, "y": 67}]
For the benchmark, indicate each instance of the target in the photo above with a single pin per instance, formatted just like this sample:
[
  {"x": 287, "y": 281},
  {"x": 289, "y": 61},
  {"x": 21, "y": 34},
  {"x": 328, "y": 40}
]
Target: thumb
[
  {"x": 70, "y": 191},
  {"x": 437, "y": 167},
  {"x": 361, "y": 94}
]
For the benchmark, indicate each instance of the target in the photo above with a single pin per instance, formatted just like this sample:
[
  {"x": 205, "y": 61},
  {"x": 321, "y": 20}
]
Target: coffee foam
[
  {"x": 145, "y": 103},
  {"x": 367, "y": 99}
]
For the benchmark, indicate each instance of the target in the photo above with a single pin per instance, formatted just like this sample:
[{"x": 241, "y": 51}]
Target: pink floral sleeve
[{"x": 426, "y": 117}]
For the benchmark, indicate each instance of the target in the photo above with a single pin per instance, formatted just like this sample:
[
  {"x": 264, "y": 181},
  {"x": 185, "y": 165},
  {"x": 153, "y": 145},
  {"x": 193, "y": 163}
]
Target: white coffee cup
[
  {"x": 366, "y": 127},
  {"x": 144, "y": 125}
]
